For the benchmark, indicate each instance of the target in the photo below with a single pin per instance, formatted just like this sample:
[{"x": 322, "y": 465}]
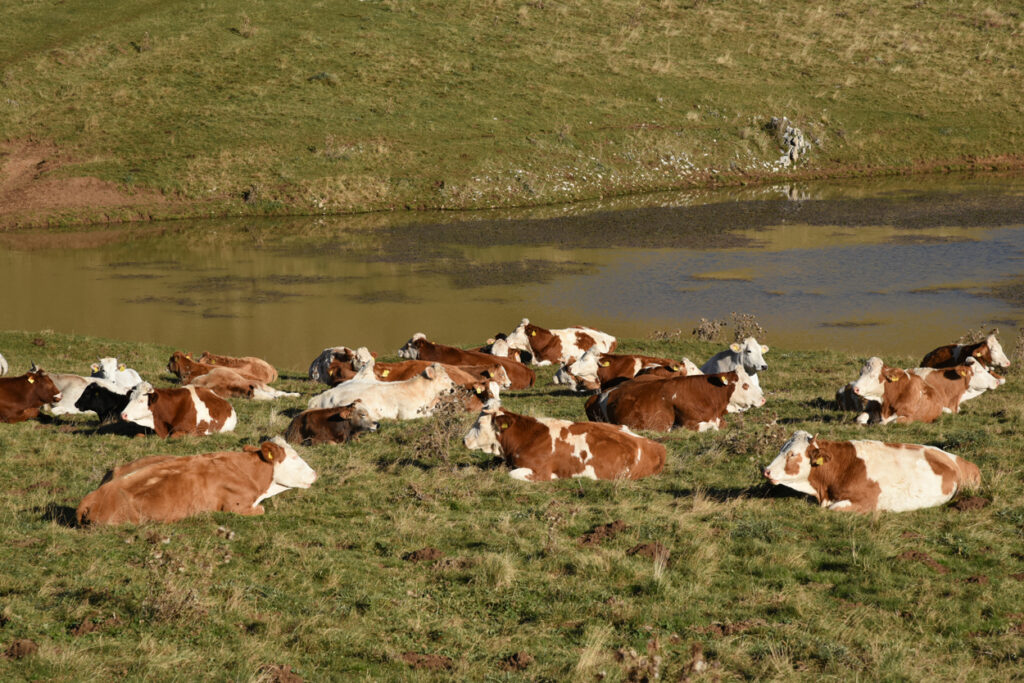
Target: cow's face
[
  {"x": 483, "y": 435},
  {"x": 443, "y": 384},
  {"x": 138, "y": 409},
  {"x": 581, "y": 373},
  {"x": 520, "y": 337},
  {"x": 411, "y": 350},
  {"x": 499, "y": 347},
  {"x": 496, "y": 373},
  {"x": 750, "y": 355},
  {"x": 792, "y": 467},
  {"x": 689, "y": 368},
  {"x": 362, "y": 358},
  {"x": 982, "y": 379},
  {"x": 43, "y": 388},
  {"x": 871, "y": 383},
  {"x": 747, "y": 393},
  {"x": 999, "y": 358},
  {"x": 290, "y": 471}
]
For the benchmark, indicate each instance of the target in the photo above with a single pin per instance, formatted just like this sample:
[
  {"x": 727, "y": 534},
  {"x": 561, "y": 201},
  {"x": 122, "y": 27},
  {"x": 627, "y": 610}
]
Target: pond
[{"x": 898, "y": 265}]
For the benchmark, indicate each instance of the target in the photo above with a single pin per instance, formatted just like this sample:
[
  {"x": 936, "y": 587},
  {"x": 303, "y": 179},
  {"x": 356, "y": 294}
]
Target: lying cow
[
  {"x": 179, "y": 412},
  {"x": 329, "y": 425},
  {"x": 3, "y": 365},
  {"x": 749, "y": 355},
  {"x": 227, "y": 382},
  {"x": 988, "y": 352},
  {"x": 405, "y": 400},
  {"x": 22, "y": 397},
  {"x": 499, "y": 347},
  {"x": 597, "y": 371},
  {"x": 71, "y": 388},
  {"x": 696, "y": 402},
  {"x": 117, "y": 373},
  {"x": 103, "y": 398},
  {"x": 863, "y": 476},
  {"x": 921, "y": 394},
  {"x": 558, "y": 346},
  {"x": 247, "y": 366},
  {"x": 466, "y": 376},
  {"x": 165, "y": 488},
  {"x": 318, "y": 369},
  {"x": 542, "y": 449},
  {"x": 418, "y": 348}
]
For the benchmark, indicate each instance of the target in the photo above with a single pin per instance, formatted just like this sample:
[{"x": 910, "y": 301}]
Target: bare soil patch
[
  {"x": 654, "y": 551},
  {"x": 924, "y": 558},
  {"x": 427, "y": 554},
  {"x": 21, "y": 648},
  {"x": 276, "y": 673},
  {"x": 517, "y": 661},
  {"x": 973, "y": 503},
  {"x": 603, "y": 532}
]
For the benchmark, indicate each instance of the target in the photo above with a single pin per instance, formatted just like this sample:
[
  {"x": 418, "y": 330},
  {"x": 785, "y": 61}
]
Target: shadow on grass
[
  {"x": 61, "y": 514},
  {"x": 724, "y": 495}
]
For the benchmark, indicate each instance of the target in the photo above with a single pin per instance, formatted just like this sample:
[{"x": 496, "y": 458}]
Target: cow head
[
  {"x": 290, "y": 471},
  {"x": 41, "y": 387},
  {"x": 792, "y": 467},
  {"x": 318, "y": 369},
  {"x": 747, "y": 393},
  {"x": 178, "y": 365},
  {"x": 362, "y": 358},
  {"x": 749, "y": 354},
  {"x": 520, "y": 337},
  {"x": 581, "y": 374},
  {"x": 689, "y": 368},
  {"x": 438, "y": 376},
  {"x": 497, "y": 373},
  {"x": 138, "y": 409},
  {"x": 981, "y": 378},
  {"x": 873, "y": 376},
  {"x": 359, "y": 416},
  {"x": 483, "y": 435},
  {"x": 411, "y": 350},
  {"x": 999, "y": 358}
]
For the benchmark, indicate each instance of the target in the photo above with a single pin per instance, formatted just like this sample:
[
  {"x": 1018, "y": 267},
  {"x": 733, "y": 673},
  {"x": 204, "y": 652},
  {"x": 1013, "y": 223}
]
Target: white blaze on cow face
[
  {"x": 410, "y": 351},
  {"x": 292, "y": 472},
  {"x": 870, "y": 383},
  {"x": 999, "y": 358},
  {"x": 583, "y": 370},
  {"x": 751, "y": 355},
  {"x": 500, "y": 348},
  {"x": 747, "y": 393},
  {"x": 482, "y": 435},
  {"x": 362, "y": 358},
  {"x": 137, "y": 410},
  {"x": 792, "y": 467},
  {"x": 518, "y": 338}
]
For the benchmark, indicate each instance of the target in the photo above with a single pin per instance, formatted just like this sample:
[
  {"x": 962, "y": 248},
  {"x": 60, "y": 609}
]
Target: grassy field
[
  {"x": 412, "y": 557},
  {"x": 230, "y": 107}
]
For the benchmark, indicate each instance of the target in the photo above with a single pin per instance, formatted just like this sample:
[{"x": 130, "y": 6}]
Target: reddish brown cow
[
  {"x": 22, "y": 397},
  {"x": 187, "y": 368},
  {"x": 696, "y": 402},
  {"x": 595, "y": 371},
  {"x": 542, "y": 449},
  {"x": 226, "y": 383},
  {"x": 988, "y": 352},
  {"x": 418, "y": 348},
  {"x": 248, "y": 366},
  {"x": 329, "y": 425},
  {"x": 178, "y": 412},
  {"x": 467, "y": 376},
  {"x": 165, "y": 489}
]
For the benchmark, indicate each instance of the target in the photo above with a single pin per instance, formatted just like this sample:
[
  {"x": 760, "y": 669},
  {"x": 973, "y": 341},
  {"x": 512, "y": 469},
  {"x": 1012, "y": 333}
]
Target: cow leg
[
  {"x": 521, "y": 473},
  {"x": 840, "y": 505},
  {"x": 254, "y": 510},
  {"x": 707, "y": 426}
]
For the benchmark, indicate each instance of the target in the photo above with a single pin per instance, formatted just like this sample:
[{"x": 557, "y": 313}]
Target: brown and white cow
[
  {"x": 227, "y": 382},
  {"x": 22, "y": 397},
  {"x": 247, "y": 366},
  {"x": 988, "y": 352},
  {"x": 696, "y": 402},
  {"x": 318, "y": 369},
  {"x": 595, "y": 370},
  {"x": 405, "y": 400},
  {"x": 558, "y": 346},
  {"x": 179, "y": 412},
  {"x": 466, "y": 376},
  {"x": 542, "y": 449},
  {"x": 863, "y": 476},
  {"x": 186, "y": 368},
  {"x": 330, "y": 425},
  {"x": 419, "y": 348},
  {"x": 921, "y": 394},
  {"x": 166, "y": 488}
]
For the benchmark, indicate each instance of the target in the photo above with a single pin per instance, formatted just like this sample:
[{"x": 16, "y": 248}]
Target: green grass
[
  {"x": 770, "y": 586},
  {"x": 236, "y": 107}
]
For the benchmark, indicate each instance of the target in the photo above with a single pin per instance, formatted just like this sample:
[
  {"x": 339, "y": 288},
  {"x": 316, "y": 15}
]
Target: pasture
[{"x": 412, "y": 557}]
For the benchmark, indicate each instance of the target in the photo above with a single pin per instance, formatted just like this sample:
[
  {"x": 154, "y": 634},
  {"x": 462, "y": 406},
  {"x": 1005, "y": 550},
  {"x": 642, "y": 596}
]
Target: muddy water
[{"x": 898, "y": 266}]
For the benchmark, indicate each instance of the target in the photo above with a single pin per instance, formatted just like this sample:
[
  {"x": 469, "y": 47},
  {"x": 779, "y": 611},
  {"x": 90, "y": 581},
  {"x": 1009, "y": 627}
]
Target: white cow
[
  {"x": 318, "y": 369},
  {"x": 71, "y": 388},
  {"x": 749, "y": 354},
  {"x": 405, "y": 400},
  {"x": 117, "y": 373}
]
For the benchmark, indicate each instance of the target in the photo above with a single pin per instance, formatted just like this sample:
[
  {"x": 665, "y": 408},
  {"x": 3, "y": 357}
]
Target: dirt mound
[
  {"x": 655, "y": 551},
  {"x": 924, "y": 558},
  {"x": 19, "y": 649},
  {"x": 29, "y": 186},
  {"x": 968, "y": 504},
  {"x": 90, "y": 626},
  {"x": 517, "y": 662},
  {"x": 429, "y": 662},
  {"x": 427, "y": 554},
  {"x": 276, "y": 673},
  {"x": 603, "y": 532}
]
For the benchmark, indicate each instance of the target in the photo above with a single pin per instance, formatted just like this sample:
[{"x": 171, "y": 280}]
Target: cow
[
  {"x": 920, "y": 394},
  {"x": 542, "y": 449},
  {"x": 227, "y": 382},
  {"x": 748, "y": 354},
  {"x": 595, "y": 370},
  {"x": 696, "y": 402},
  {"x": 418, "y": 348},
  {"x": 988, "y": 352},
  {"x": 109, "y": 369},
  {"x": 864, "y": 476},
  {"x": 499, "y": 347},
  {"x": 179, "y": 412},
  {"x": 3, "y": 365},
  {"x": 558, "y": 346},
  {"x": 71, "y": 388},
  {"x": 406, "y": 400},
  {"x": 103, "y": 398},
  {"x": 22, "y": 397},
  {"x": 248, "y": 366},
  {"x": 167, "y": 488},
  {"x": 318, "y": 369},
  {"x": 869, "y": 412},
  {"x": 466, "y": 376},
  {"x": 330, "y": 425},
  {"x": 186, "y": 368}
]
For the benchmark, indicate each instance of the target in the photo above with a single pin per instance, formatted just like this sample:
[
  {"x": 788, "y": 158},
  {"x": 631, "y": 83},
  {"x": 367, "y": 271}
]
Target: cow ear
[
  {"x": 533, "y": 333},
  {"x": 961, "y": 371},
  {"x": 978, "y": 353},
  {"x": 478, "y": 389},
  {"x": 487, "y": 373},
  {"x": 270, "y": 452},
  {"x": 429, "y": 372},
  {"x": 735, "y": 347},
  {"x": 189, "y": 355},
  {"x": 94, "y": 367},
  {"x": 605, "y": 364},
  {"x": 720, "y": 380},
  {"x": 250, "y": 449},
  {"x": 893, "y": 377},
  {"x": 764, "y": 349}
]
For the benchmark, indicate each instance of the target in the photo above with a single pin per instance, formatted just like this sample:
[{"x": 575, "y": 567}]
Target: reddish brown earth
[
  {"x": 427, "y": 554},
  {"x": 19, "y": 649},
  {"x": 653, "y": 550},
  {"x": 517, "y": 661},
  {"x": 924, "y": 558},
  {"x": 602, "y": 533},
  {"x": 429, "y": 662},
  {"x": 281, "y": 674}
]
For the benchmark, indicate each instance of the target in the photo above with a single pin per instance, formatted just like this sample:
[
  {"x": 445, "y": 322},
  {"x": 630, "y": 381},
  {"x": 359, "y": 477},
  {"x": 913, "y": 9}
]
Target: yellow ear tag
[
  {"x": 962, "y": 373},
  {"x": 479, "y": 390},
  {"x": 121, "y": 367},
  {"x": 676, "y": 368},
  {"x": 534, "y": 333},
  {"x": 819, "y": 461},
  {"x": 605, "y": 364},
  {"x": 503, "y": 427},
  {"x": 894, "y": 378},
  {"x": 270, "y": 456},
  {"x": 94, "y": 367},
  {"x": 31, "y": 380},
  {"x": 385, "y": 373},
  {"x": 213, "y": 361}
]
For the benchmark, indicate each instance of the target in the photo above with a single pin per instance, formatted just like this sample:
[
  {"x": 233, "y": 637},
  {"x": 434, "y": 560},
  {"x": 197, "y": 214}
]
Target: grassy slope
[
  {"x": 770, "y": 586},
  {"x": 369, "y": 105}
]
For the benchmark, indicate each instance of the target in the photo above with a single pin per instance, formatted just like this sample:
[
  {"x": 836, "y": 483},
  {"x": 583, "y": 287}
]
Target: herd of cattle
[{"x": 628, "y": 392}]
